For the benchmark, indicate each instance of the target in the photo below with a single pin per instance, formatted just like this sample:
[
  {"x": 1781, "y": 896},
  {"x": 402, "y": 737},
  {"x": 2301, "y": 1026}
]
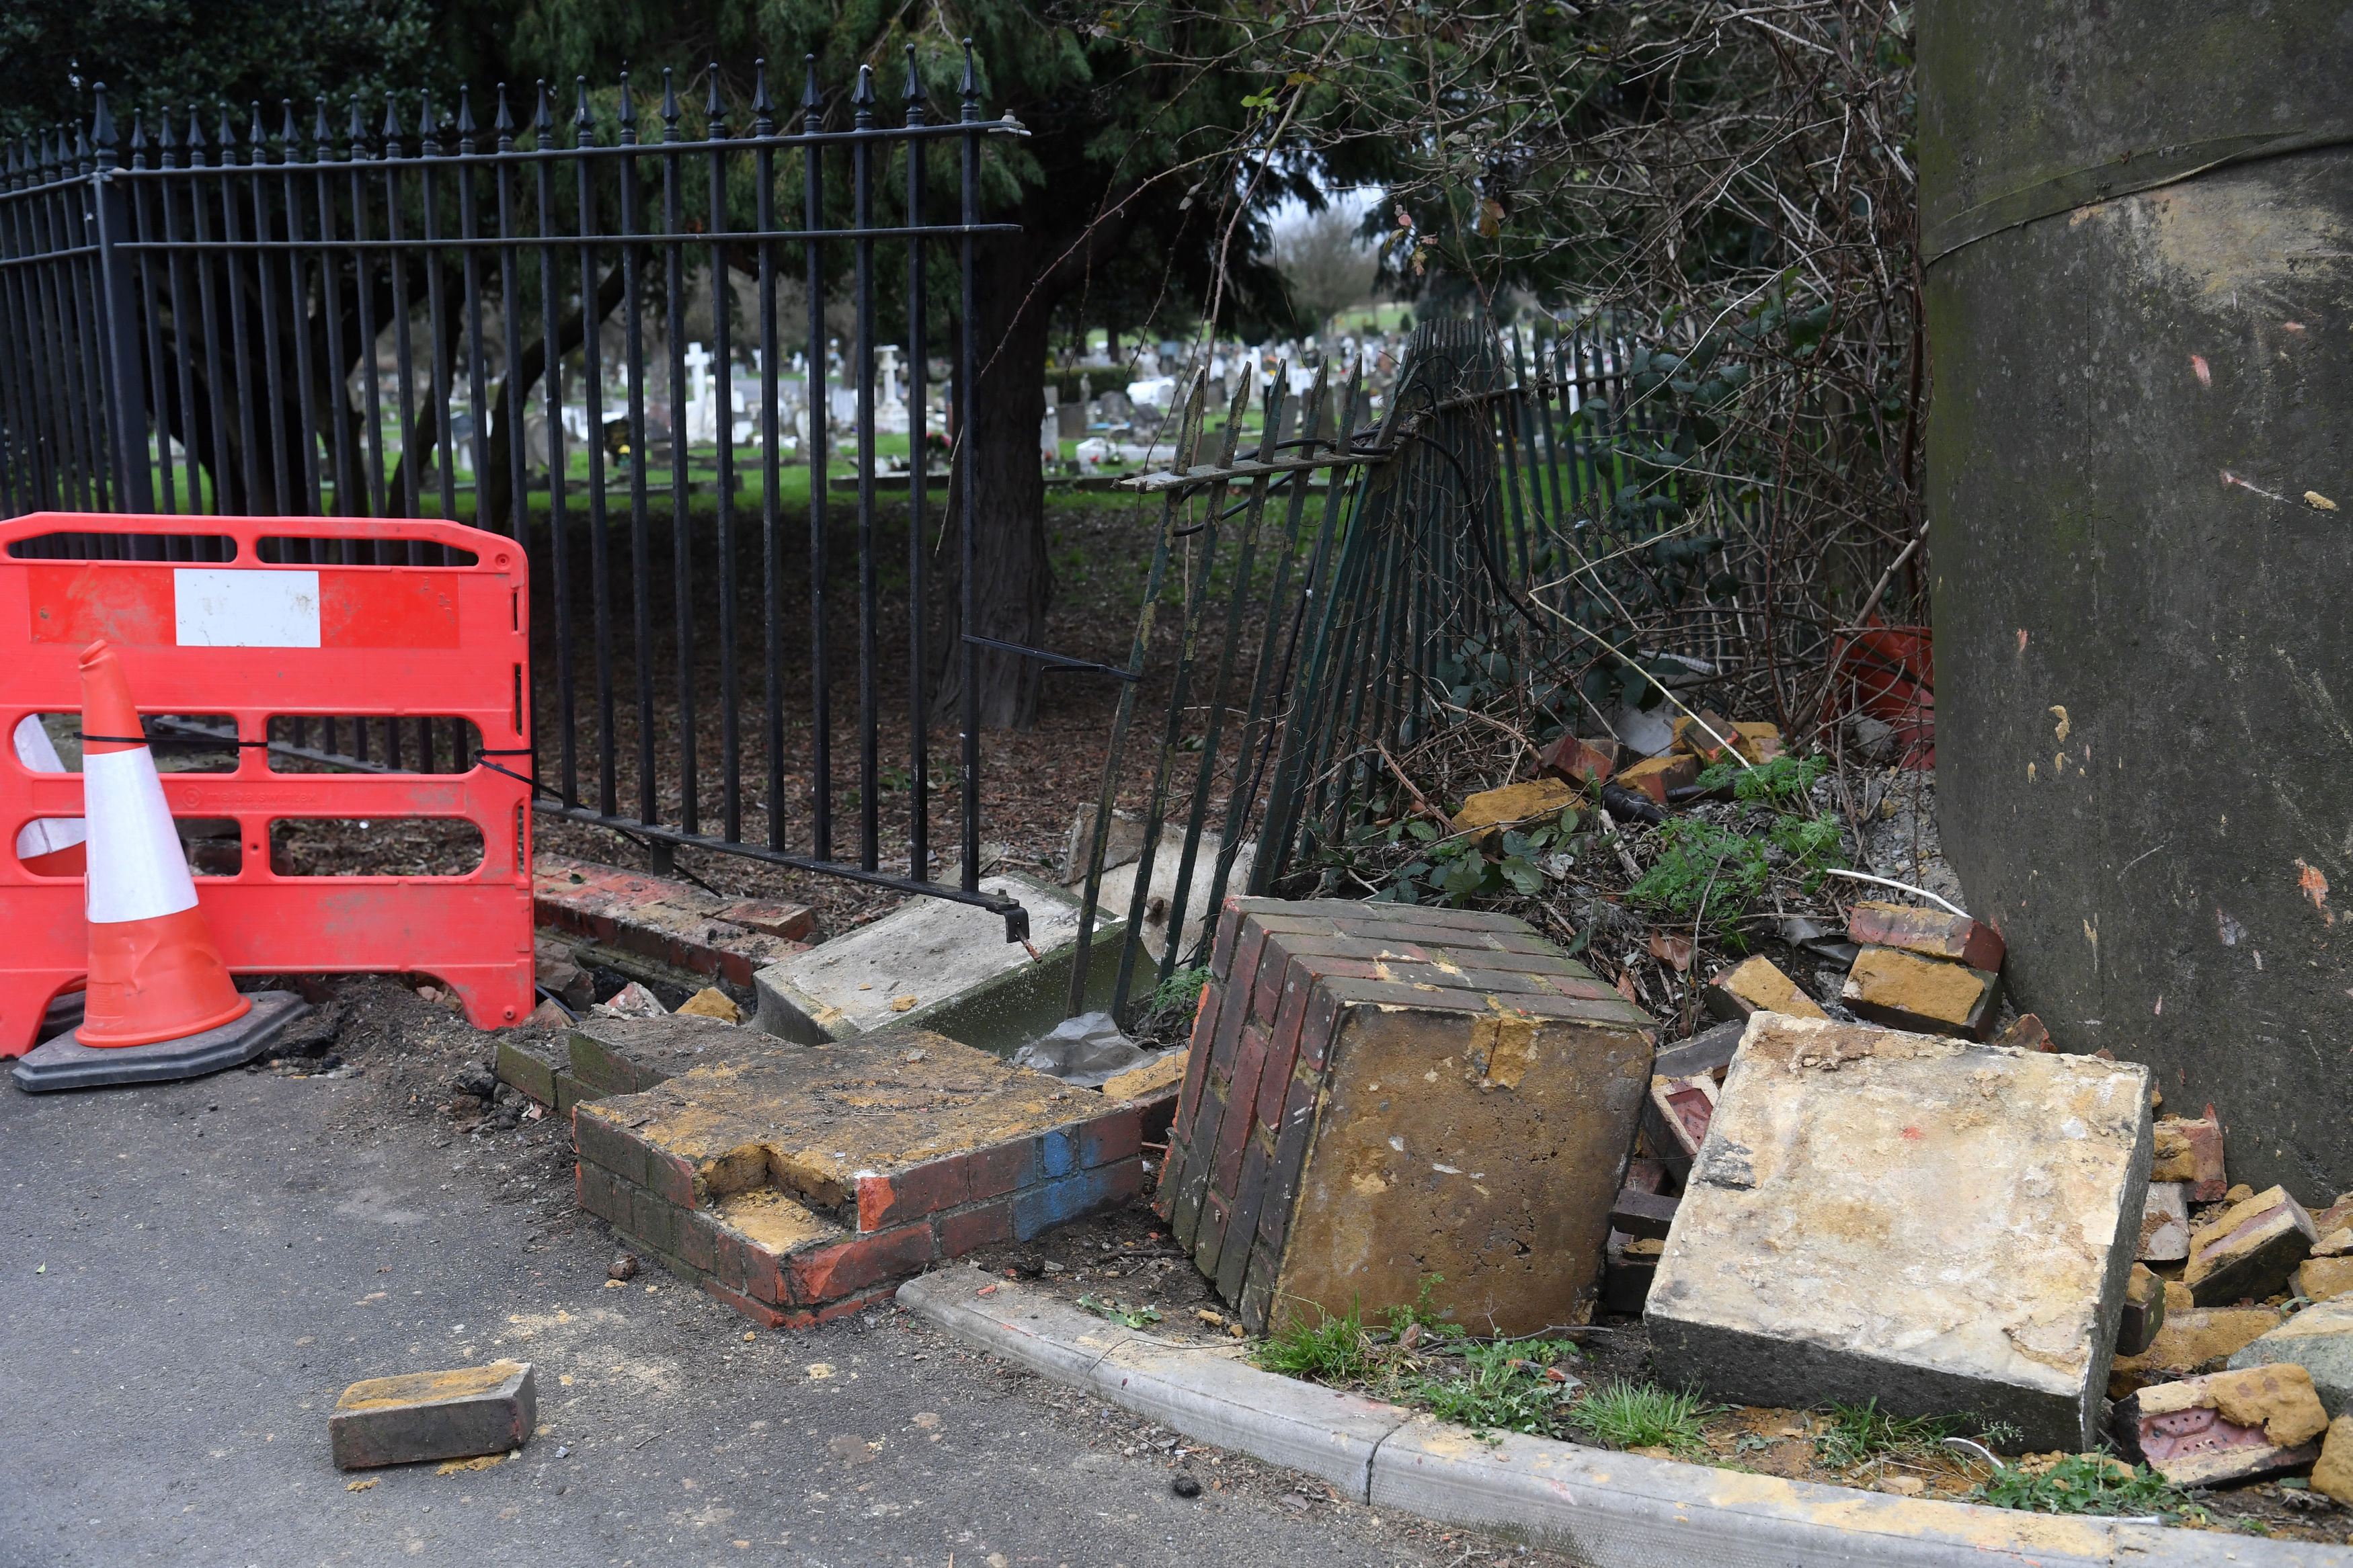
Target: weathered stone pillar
[{"x": 2137, "y": 227}]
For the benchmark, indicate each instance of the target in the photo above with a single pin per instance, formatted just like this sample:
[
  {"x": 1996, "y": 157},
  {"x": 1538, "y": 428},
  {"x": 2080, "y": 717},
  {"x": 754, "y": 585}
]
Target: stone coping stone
[
  {"x": 2320, "y": 1339},
  {"x": 944, "y": 965},
  {"x": 1944, "y": 1227},
  {"x": 1604, "y": 1509},
  {"x": 422, "y": 1416},
  {"x": 628, "y": 1056}
]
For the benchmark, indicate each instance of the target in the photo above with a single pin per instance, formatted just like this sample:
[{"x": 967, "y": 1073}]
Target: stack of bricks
[
  {"x": 800, "y": 1183},
  {"x": 1924, "y": 970},
  {"x": 1381, "y": 1094}
]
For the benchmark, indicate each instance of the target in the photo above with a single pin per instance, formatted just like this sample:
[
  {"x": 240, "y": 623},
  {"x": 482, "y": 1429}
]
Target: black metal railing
[{"x": 200, "y": 322}]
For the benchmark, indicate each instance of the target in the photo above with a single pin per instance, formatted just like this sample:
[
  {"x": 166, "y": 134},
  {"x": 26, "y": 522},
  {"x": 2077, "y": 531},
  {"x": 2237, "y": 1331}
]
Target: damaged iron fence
[
  {"x": 433, "y": 317},
  {"x": 1520, "y": 529}
]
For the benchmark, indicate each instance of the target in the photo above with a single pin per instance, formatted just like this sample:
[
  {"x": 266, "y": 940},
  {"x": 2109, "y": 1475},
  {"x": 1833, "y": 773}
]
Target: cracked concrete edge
[{"x": 1601, "y": 1507}]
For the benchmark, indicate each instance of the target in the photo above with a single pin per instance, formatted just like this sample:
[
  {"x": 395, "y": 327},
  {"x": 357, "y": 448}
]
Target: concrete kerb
[{"x": 1601, "y": 1508}]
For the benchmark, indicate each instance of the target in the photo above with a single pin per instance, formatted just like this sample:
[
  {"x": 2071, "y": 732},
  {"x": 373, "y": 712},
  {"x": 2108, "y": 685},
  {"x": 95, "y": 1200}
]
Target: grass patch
[
  {"x": 2083, "y": 1483},
  {"x": 1504, "y": 1385},
  {"x": 1333, "y": 1350},
  {"x": 1856, "y": 1434},
  {"x": 1642, "y": 1416}
]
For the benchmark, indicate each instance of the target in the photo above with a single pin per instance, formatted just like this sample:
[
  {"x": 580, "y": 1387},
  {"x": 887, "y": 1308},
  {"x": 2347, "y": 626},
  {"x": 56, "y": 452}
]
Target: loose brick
[
  {"x": 2334, "y": 1474},
  {"x": 1642, "y": 1213},
  {"x": 2191, "y": 1151},
  {"x": 1514, "y": 804},
  {"x": 1573, "y": 760},
  {"x": 2248, "y": 1251},
  {"x": 2165, "y": 1223},
  {"x": 1709, "y": 1051},
  {"x": 1931, "y": 933},
  {"x": 1755, "y": 986},
  {"x": 1682, "y": 1108},
  {"x": 1711, "y": 737},
  {"x": 422, "y": 1416},
  {"x": 1630, "y": 1266},
  {"x": 2026, "y": 1033},
  {"x": 2325, "y": 1279},
  {"x": 2224, "y": 1427},
  {"x": 1905, "y": 991},
  {"x": 2190, "y": 1340},
  {"x": 1655, "y": 776},
  {"x": 2144, "y": 1312},
  {"x": 1155, "y": 1079}
]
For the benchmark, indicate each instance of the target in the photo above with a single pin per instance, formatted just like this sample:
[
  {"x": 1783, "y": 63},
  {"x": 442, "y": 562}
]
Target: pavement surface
[{"x": 191, "y": 1273}]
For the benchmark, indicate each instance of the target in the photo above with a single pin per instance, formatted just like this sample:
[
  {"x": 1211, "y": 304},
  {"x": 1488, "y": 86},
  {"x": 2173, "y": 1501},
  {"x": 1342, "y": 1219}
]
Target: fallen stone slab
[
  {"x": 1793, "y": 1275},
  {"x": 1905, "y": 991},
  {"x": 1380, "y": 1094},
  {"x": 1754, "y": 986},
  {"x": 1514, "y": 804},
  {"x": 2224, "y": 1427},
  {"x": 2190, "y": 1340},
  {"x": 2249, "y": 1249},
  {"x": 2320, "y": 1339},
  {"x": 421, "y": 1416},
  {"x": 2165, "y": 1223},
  {"x": 1604, "y": 1509},
  {"x": 2144, "y": 1312},
  {"x": 943, "y": 965}
]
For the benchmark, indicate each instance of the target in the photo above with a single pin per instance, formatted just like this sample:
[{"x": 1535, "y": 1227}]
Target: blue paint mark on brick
[
  {"x": 1058, "y": 1151},
  {"x": 1042, "y": 1208}
]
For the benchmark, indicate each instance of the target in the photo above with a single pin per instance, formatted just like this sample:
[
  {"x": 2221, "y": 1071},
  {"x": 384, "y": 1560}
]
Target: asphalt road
[{"x": 191, "y": 1273}]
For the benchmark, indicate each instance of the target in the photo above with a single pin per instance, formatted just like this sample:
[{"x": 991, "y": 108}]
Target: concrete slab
[
  {"x": 1944, "y": 1227},
  {"x": 943, "y": 965},
  {"x": 1119, "y": 890}
]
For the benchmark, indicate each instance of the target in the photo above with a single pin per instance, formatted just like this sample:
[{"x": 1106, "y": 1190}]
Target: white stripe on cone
[
  {"x": 137, "y": 868},
  {"x": 47, "y": 835}
]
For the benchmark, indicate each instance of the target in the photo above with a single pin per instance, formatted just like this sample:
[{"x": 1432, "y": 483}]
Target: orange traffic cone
[
  {"x": 49, "y": 847},
  {"x": 154, "y": 974}
]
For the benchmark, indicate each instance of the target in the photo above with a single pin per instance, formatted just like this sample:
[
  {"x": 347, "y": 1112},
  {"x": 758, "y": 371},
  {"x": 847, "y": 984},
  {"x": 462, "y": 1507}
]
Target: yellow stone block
[{"x": 1514, "y": 804}]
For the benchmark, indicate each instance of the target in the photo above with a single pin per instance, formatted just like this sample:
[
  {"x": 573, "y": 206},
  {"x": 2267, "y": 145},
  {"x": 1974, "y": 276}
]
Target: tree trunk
[{"x": 1011, "y": 578}]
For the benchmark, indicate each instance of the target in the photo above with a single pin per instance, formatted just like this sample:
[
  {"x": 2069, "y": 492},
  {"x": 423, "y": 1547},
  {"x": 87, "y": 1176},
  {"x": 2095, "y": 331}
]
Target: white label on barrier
[{"x": 216, "y": 609}]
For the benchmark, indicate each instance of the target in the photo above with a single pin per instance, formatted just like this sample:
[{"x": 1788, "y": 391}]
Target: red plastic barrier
[
  {"x": 259, "y": 641},
  {"x": 1890, "y": 674}
]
